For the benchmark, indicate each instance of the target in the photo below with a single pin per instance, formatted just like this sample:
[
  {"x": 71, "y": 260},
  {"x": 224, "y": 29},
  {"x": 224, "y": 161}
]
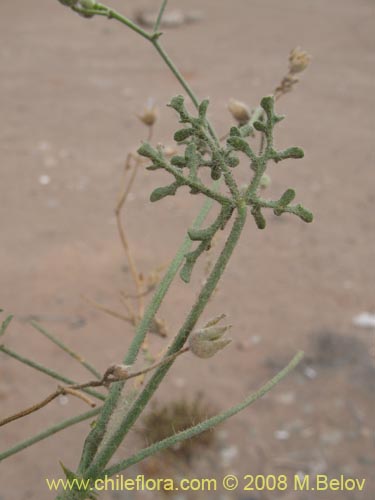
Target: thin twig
[
  {"x": 107, "y": 379},
  {"x": 105, "y": 309},
  {"x": 59, "y": 392},
  {"x": 46, "y": 433},
  {"x": 124, "y": 240},
  {"x": 47, "y": 371},
  {"x": 205, "y": 425},
  {"x": 160, "y": 15},
  {"x": 66, "y": 349}
]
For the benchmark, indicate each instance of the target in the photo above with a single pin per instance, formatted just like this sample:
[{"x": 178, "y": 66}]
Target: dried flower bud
[
  {"x": 298, "y": 60},
  {"x": 206, "y": 342},
  {"x": 117, "y": 372},
  {"x": 265, "y": 181},
  {"x": 69, "y": 3},
  {"x": 170, "y": 151},
  {"x": 239, "y": 111},
  {"x": 149, "y": 115},
  {"x": 88, "y": 4}
]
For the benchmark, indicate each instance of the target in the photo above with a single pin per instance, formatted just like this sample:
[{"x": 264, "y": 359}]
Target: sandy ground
[{"x": 70, "y": 90}]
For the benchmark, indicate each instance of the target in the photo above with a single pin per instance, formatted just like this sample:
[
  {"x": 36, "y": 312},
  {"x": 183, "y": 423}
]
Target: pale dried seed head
[
  {"x": 298, "y": 60},
  {"x": 88, "y": 4},
  {"x": 150, "y": 114},
  {"x": 207, "y": 341},
  {"x": 239, "y": 110},
  {"x": 118, "y": 371}
]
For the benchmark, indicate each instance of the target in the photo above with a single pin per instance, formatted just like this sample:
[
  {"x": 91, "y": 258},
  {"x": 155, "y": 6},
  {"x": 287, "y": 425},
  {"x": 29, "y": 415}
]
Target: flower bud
[
  {"x": 69, "y": 3},
  {"x": 206, "y": 342},
  {"x": 239, "y": 111},
  {"x": 149, "y": 115},
  {"x": 265, "y": 181},
  {"x": 298, "y": 60},
  {"x": 117, "y": 372},
  {"x": 88, "y": 4}
]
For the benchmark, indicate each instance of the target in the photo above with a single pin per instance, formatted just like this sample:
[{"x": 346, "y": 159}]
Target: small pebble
[
  {"x": 44, "y": 180},
  {"x": 63, "y": 400},
  {"x": 364, "y": 320},
  {"x": 310, "y": 372},
  {"x": 331, "y": 437},
  {"x": 282, "y": 435},
  {"x": 228, "y": 454}
]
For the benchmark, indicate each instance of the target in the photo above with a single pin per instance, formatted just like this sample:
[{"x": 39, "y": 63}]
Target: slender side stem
[
  {"x": 66, "y": 349},
  {"x": 163, "y": 54},
  {"x": 96, "y": 435},
  {"x": 127, "y": 422},
  {"x": 199, "y": 185},
  {"x": 48, "y": 432},
  {"x": 4, "y": 325},
  {"x": 124, "y": 240},
  {"x": 160, "y": 15},
  {"x": 103, "y": 10},
  {"x": 48, "y": 371},
  {"x": 203, "y": 426}
]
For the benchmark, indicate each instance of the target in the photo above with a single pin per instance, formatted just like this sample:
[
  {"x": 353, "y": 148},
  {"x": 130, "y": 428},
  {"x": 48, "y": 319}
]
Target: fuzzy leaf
[
  {"x": 260, "y": 221},
  {"x": 232, "y": 161},
  {"x": 177, "y": 103},
  {"x": 162, "y": 192},
  {"x": 246, "y": 130},
  {"x": 5, "y": 324},
  {"x": 240, "y": 145},
  {"x": 234, "y": 132},
  {"x": 178, "y": 161},
  {"x": 260, "y": 126},
  {"x": 202, "y": 110},
  {"x": 215, "y": 173},
  {"x": 192, "y": 160},
  {"x": 304, "y": 214},
  {"x": 293, "y": 152},
  {"x": 148, "y": 151},
  {"x": 200, "y": 234},
  {"x": 183, "y": 134},
  {"x": 287, "y": 197},
  {"x": 267, "y": 104}
]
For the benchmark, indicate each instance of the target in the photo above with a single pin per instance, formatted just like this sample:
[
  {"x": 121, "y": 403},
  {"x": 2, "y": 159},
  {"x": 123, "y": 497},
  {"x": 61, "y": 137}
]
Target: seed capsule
[
  {"x": 239, "y": 111},
  {"x": 207, "y": 341}
]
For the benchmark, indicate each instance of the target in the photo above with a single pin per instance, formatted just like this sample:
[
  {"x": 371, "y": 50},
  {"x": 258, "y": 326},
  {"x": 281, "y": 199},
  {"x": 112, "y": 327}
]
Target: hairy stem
[
  {"x": 96, "y": 435},
  {"x": 48, "y": 371},
  {"x": 48, "y": 432},
  {"x": 66, "y": 349},
  {"x": 117, "y": 437},
  {"x": 205, "y": 425}
]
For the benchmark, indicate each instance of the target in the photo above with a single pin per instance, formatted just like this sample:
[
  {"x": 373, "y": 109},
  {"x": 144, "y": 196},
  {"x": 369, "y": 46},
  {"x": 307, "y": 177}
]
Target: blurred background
[{"x": 71, "y": 90}]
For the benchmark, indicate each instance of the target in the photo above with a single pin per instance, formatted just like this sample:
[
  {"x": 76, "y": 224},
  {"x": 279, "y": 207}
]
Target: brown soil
[{"x": 70, "y": 92}]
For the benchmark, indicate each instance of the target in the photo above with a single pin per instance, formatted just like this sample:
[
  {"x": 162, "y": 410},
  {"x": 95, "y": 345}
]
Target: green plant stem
[
  {"x": 96, "y": 435},
  {"x": 160, "y": 15},
  {"x": 66, "y": 349},
  {"x": 48, "y": 371},
  {"x": 48, "y": 432},
  {"x": 198, "y": 185},
  {"x": 207, "y": 424},
  {"x": 4, "y": 325},
  {"x": 127, "y": 422}
]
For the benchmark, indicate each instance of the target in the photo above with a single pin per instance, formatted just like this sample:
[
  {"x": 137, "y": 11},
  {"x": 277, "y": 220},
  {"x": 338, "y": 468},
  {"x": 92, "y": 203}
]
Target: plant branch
[
  {"x": 128, "y": 420},
  {"x": 48, "y": 371},
  {"x": 160, "y": 15},
  {"x": 205, "y": 425},
  {"x": 66, "y": 349},
  {"x": 144, "y": 326},
  {"x": 54, "y": 429},
  {"x": 59, "y": 392},
  {"x": 113, "y": 374}
]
